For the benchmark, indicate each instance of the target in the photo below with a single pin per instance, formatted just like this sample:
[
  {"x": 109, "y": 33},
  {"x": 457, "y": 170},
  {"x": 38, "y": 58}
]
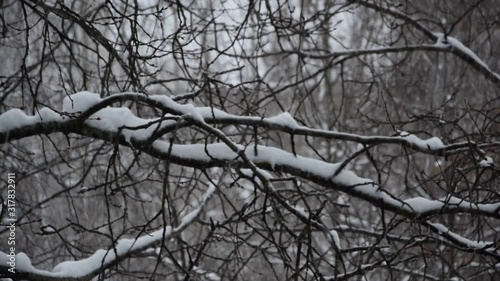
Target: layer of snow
[
  {"x": 212, "y": 276},
  {"x": 48, "y": 229},
  {"x": 458, "y": 45},
  {"x": 13, "y": 119},
  {"x": 185, "y": 109},
  {"x": 16, "y": 118},
  {"x": 449, "y": 41},
  {"x": 283, "y": 119},
  {"x": 80, "y": 102},
  {"x": 470, "y": 244},
  {"x": 455, "y": 43},
  {"x": 486, "y": 162},
  {"x": 210, "y": 112},
  {"x": 270, "y": 155},
  {"x": 432, "y": 143},
  {"x": 334, "y": 236},
  {"x": 441, "y": 42},
  {"x": 301, "y": 210},
  {"x": 422, "y": 205},
  {"x": 112, "y": 120},
  {"x": 48, "y": 115}
]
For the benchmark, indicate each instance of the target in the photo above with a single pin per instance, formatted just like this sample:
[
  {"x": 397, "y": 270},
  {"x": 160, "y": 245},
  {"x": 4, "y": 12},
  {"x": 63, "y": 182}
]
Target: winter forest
[{"x": 250, "y": 140}]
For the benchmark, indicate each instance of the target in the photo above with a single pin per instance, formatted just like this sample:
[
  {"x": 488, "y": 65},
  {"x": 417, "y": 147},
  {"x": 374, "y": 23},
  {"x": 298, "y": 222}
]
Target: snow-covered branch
[
  {"x": 445, "y": 42},
  {"x": 88, "y": 268},
  {"x": 89, "y": 109}
]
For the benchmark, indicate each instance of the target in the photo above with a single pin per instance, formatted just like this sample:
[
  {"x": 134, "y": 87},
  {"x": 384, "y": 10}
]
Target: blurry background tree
[{"x": 354, "y": 75}]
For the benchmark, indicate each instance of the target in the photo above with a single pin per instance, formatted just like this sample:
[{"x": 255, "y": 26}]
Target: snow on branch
[
  {"x": 433, "y": 143},
  {"x": 321, "y": 172},
  {"x": 86, "y": 269},
  {"x": 475, "y": 245},
  {"x": 484, "y": 247},
  {"x": 89, "y": 109},
  {"x": 16, "y": 118},
  {"x": 352, "y": 53},
  {"x": 444, "y": 42}
]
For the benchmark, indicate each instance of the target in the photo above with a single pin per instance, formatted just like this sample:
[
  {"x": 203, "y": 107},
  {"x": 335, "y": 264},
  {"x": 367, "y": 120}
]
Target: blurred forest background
[{"x": 367, "y": 67}]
